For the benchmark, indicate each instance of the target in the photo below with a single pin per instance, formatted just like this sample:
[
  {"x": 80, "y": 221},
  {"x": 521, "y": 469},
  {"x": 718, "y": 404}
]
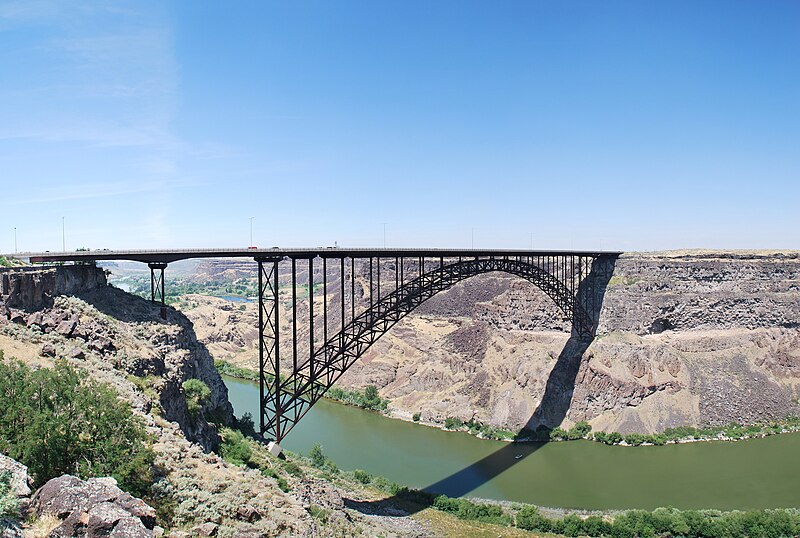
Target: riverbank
[
  {"x": 582, "y": 430},
  {"x": 402, "y": 500},
  {"x": 750, "y": 474},
  {"x": 364, "y": 399}
]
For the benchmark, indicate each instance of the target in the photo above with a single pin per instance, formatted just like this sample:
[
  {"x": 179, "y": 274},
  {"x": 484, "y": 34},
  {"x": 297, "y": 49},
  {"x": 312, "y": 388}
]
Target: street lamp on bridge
[{"x": 251, "y": 231}]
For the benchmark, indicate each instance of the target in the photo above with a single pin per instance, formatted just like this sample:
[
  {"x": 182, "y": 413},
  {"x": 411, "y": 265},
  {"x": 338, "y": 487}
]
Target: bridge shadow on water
[{"x": 551, "y": 412}]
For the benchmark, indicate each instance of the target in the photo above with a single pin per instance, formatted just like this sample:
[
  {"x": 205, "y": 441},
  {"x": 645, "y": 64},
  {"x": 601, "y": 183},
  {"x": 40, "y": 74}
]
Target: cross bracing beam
[{"x": 288, "y": 395}]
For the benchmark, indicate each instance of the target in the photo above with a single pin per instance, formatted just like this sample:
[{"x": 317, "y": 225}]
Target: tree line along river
[{"x": 750, "y": 474}]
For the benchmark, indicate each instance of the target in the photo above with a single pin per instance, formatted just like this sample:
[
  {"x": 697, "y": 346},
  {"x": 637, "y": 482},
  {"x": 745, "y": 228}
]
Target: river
[{"x": 756, "y": 473}]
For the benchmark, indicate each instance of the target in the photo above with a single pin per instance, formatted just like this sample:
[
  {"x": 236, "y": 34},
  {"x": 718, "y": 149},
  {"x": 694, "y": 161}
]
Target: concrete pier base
[{"x": 274, "y": 448}]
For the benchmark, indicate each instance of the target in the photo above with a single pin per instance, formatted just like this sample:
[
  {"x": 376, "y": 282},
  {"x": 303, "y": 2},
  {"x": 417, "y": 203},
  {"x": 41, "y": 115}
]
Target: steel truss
[
  {"x": 157, "y": 285},
  {"x": 286, "y": 396}
]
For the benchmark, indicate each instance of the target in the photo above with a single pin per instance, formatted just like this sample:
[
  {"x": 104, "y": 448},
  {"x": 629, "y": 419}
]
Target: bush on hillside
[
  {"x": 197, "y": 394},
  {"x": 9, "y": 508},
  {"x": 56, "y": 421},
  {"x": 234, "y": 448}
]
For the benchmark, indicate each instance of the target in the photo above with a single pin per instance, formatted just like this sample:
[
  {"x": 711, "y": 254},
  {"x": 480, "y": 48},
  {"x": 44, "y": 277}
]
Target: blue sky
[{"x": 615, "y": 125}]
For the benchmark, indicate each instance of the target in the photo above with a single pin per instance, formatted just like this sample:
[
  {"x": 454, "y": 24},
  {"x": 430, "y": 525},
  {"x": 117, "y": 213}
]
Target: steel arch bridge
[
  {"x": 370, "y": 291},
  {"x": 288, "y": 391}
]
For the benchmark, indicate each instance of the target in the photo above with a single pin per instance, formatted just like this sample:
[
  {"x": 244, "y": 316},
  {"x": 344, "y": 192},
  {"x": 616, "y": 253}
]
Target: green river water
[{"x": 756, "y": 473}]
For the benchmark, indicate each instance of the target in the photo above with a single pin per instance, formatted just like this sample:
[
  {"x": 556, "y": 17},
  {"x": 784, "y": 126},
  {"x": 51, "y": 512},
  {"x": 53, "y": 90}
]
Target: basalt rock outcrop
[
  {"x": 93, "y": 508},
  {"x": 32, "y": 288}
]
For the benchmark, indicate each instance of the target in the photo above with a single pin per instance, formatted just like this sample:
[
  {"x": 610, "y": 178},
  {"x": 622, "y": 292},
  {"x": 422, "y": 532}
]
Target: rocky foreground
[
  {"x": 684, "y": 338},
  {"x": 121, "y": 340}
]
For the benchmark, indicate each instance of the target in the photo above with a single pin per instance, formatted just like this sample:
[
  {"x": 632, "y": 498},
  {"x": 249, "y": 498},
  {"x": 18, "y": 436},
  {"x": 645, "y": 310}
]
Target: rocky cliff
[
  {"x": 30, "y": 288},
  {"x": 684, "y": 338},
  {"x": 70, "y": 312}
]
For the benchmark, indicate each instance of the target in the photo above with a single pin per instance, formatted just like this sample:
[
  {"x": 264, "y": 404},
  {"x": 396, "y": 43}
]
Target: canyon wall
[{"x": 684, "y": 338}]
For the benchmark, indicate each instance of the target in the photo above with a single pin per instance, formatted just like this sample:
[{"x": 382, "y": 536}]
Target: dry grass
[
  {"x": 42, "y": 527},
  {"x": 24, "y": 351}
]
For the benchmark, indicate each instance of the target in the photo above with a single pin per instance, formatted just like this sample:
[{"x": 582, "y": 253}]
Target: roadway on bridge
[{"x": 172, "y": 255}]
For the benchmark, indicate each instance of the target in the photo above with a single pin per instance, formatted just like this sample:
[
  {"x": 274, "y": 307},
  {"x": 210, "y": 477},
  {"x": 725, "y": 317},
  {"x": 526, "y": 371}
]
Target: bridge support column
[
  {"x": 157, "y": 285},
  {"x": 269, "y": 361}
]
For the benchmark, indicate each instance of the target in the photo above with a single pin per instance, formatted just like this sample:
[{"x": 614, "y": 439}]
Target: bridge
[{"x": 340, "y": 301}]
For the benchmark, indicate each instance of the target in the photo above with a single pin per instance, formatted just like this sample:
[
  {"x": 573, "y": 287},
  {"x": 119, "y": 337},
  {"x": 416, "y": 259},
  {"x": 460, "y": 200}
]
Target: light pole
[
  {"x": 15, "y": 239},
  {"x": 63, "y": 236},
  {"x": 251, "y": 231},
  {"x": 384, "y": 235},
  {"x": 473, "y": 239}
]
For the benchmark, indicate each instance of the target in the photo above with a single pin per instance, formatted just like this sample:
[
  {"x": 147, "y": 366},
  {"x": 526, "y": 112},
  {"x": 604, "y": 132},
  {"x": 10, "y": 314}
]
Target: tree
[
  {"x": 56, "y": 421},
  {"x": 580, "y": 430},
  {"x": 318, "y": 458}
]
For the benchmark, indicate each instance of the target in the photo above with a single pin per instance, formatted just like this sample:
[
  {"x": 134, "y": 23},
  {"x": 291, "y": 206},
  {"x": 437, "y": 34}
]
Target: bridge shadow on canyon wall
[{"x": 551, "y": 412}]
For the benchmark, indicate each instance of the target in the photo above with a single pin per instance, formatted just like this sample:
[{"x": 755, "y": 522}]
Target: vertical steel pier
[
  {"x": 157, "y": 286},
  {"x": 269, "y": 355}
]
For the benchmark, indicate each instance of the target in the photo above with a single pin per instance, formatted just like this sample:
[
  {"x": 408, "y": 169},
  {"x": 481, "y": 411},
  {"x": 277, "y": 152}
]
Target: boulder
[
  {"x": 65, "y": 328},
  {"x": 247, "y": 513},
  {"x": 20, "y": 481},
  {"x": 104, "y": 517},
  {"x": 138, "y": 508},
  {"x": 48, "y": 350},
  {"x": 76, "y": 353},
  {"x": 206, "y": 529},
  {"x": 102, "y": 344},
  {"x": 34, "y": 320},
  {"x": 93, "y": 508},
  {"x": 49, "y": 321}
]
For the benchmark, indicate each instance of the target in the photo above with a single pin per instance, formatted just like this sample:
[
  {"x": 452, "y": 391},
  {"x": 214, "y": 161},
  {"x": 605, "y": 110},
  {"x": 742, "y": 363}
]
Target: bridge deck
[{"x": 172, "y": 255}]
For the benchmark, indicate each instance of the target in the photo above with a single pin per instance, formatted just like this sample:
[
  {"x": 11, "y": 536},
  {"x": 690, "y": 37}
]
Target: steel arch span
[{"x": 288, "y": 394}]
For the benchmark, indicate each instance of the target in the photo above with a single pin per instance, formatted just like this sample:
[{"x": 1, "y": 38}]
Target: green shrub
[
  {"x": 234, "y": 448},
  {"x": 367, "y": 399},
  {"x": 453, "y": 423},
  {"x": 384, "y": 484},
  {"x": 292, "y": 468},
  {"x": 531, "y": 519},
  {"x": 416, "y": 417},
  {"x": 321, "y": 461},
  {"x": 57, "y": 421},
  {"x": 282, "y": 483},
  {"x": 372, "y": 400},
  {"x": 595, "y": 526},
  {"x": 362, "y": 476},
  {"x": 317, "y": 456},
  {"x": 464, "y": 509},
  {"x": 9, "y": 508},
  {"x": 558, "y": 434},
  {"x": 580, "y": 430},
  {"x": 319, "y": 513},
  {"x": 658, "y": 439},
  {"x": 246, "y": 425},
  {"x": 635, "y": 439},
  {"x": 197, "y": 394},
  {"x": 232, "y": 370}
]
